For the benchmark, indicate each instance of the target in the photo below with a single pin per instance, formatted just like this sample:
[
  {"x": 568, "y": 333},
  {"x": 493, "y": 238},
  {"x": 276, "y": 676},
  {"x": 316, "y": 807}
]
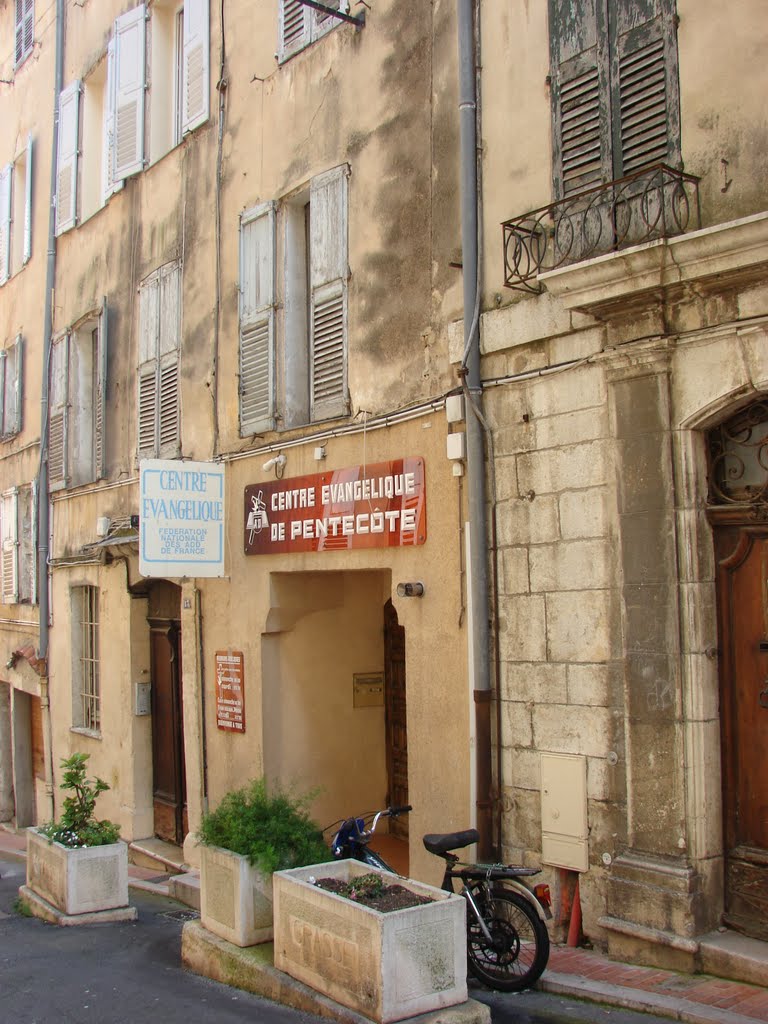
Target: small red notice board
[{"x": 230, "y": 691}]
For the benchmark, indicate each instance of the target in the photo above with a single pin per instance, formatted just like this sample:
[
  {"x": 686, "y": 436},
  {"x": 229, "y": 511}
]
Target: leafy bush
[
  {"x": 77, "y": 826},
  {"x": 273, "y": 830}
]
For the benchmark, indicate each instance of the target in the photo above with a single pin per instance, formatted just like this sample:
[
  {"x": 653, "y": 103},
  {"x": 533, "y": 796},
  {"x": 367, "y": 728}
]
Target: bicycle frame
[{"x": 480, "y": 873}]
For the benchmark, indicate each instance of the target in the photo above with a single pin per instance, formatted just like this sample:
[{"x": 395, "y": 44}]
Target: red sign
[
  {"x": 230, "y": 691},
  {"x": 383, "y": 505}
]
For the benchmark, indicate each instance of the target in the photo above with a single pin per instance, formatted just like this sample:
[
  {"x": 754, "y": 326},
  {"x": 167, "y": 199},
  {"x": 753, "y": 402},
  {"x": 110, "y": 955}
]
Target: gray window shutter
[
  {"x": 10, "y": 546},
  {"x": 159, "y": 336},
  {"x": 580, "y": 92},
  {"x": 58, "y": 426},
  {"x": 25, "y": 29},
  {"x": 12, "y": 377},
  {"x": 66, "y": 161},
  {"x": 27, "y": 589},
  {"x": 324, "y": 22},
  {"x": 129, "y": 36},
  {"x": 257, "y": 320},
  {"x": 100, "y": 398},
  {"x": 328, "y": 300},
  {"x": 6, "y": 174},
  {"x": 30, "y": 553},
  {"x": 195, "y": 65},
  {"x": 28, "y": 205},
  {"x": 149, "y": 309},
  {"x": 109, "y": 184},
  {"x": 295, "y": 26}
]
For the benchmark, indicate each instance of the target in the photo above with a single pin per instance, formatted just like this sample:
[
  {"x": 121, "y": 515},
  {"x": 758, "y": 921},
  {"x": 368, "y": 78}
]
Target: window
[
  {"x": 78, "y": 374},
  {"x": 300, "y": 25},
  {"x": 17, "y": 526},
  {"x": 313, "y": 286},
  {"x": 158, "y": 388},
  {"x": 615, "y": 89},
  {"x": 97, "y": 183},
  {"x": 16, "y": 213},
  {"x": 66, "y": 158},
  {"x": 25, "y": 30},
  {"x": 11, "y": 383},
  {"x": 86, "y": 689}
]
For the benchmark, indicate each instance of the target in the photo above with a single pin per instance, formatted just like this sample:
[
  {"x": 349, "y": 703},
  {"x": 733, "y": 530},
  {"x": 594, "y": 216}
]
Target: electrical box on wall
[
  {"x": 564, "y": 811},
  {"x": 368, "y": 690},
  {"x": 142, "y": 698}
]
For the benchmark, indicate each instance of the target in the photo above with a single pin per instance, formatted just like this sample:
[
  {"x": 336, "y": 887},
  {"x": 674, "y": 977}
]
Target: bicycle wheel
[{"x": 520, "y": 948}]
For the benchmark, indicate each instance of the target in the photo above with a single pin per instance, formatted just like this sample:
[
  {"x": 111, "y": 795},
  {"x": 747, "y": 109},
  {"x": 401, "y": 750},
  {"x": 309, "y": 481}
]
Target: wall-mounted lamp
[
  {"x": 410, "y": 589},
  {"x": 277, "y": 462}
]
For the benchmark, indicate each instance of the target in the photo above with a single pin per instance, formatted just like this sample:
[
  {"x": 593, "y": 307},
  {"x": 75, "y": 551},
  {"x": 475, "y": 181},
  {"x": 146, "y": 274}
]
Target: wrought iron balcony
[{"x": 657, "y": 202}]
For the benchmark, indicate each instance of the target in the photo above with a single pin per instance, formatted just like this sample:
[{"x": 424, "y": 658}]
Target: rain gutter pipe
[{"x": 478, "y": 532}]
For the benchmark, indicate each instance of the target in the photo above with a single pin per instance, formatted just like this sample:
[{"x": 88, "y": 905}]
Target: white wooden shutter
[
  {"x": 58, "y": 414},
  {"x": 328, "y": 301},
  {"x": 129, "y": 36},
  {"x": 30, "y": 567},
  {"x": 100, "y": 398},
  {"x": 149, "y": 304},
  {"x": 168, "y": 356},
  {"x": 321, "y": 22},
  {"x": 295, "y": 27},
  {"x": 25, "y": 29},
  {"x": 6, "y": 174},
  {"x": 257, "y": 319},
  {"x": 27, "y": 516},
  {"x": 66, "y": 161},
  {"x": 109, "y": 184},
  {"x": 12, "y": 377},
  {"x": 28, "y": 205},
  {"x": 195, "y": 70},
  {"x": 10, "y": 542}
]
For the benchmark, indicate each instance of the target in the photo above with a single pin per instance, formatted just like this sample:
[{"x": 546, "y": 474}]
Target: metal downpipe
[{"x": 478, "y": 531}]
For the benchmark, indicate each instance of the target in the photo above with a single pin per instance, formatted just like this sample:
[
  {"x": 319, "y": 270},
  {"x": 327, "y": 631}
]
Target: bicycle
[{"x": 507, "y": 938}]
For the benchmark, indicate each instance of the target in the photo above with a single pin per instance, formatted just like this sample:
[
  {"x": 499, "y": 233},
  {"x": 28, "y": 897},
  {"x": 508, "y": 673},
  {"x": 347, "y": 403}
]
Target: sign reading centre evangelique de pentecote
[{"x": 382, "y": 505}]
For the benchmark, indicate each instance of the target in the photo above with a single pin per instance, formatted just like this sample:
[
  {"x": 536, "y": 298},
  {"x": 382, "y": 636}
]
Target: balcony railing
[{"x": 657, "y": 202}]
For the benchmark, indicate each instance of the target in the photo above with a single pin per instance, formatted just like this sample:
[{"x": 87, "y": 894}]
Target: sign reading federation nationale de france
[{"x": 181, "y": 520}]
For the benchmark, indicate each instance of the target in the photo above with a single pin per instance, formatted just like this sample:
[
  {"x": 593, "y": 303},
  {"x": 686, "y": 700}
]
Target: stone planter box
[
  {"x": 384, "y": 966},
  {"x": 235, "y": 898},
  {"x": 81, "y": 881}
]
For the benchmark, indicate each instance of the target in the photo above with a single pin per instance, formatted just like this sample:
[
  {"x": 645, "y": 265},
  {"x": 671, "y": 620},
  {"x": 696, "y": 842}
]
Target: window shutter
[
  {"x": 257, "y": 320},
  {"x": 580, "y": 114},
  {"x": 168, "y": 352},
  {"x": 26, "y": 549},
  {"x": 28, "y": 205},
  {"x": 196, "y": 65},
  {"x": 328, "y": 305},
  {"x": 66, "y": 162},
  {"x": 645, "y": 90},
  {"x": 129, "y": 36},
  {"x": 58, "y": 413},
  {"x": 110, "y": 184},
  {"x": 100, "y": 398},
  {"x": 31, "y": 564},
  {"x": 5, "y": 222},
  {"x": 295, "y": 27},
  {"x": 25, "y": 28},
  {"x": 12, "y": 384},
  {"x": 147, "y": 410},
  {"x": 149, "y": 306},
  {"x": 10, "y": 528},
  {"x": 324, "y": 22}
]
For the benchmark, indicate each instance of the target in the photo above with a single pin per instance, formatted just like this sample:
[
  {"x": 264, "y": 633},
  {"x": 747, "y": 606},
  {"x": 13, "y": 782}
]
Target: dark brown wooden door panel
[{"x": 396, "y": 726}]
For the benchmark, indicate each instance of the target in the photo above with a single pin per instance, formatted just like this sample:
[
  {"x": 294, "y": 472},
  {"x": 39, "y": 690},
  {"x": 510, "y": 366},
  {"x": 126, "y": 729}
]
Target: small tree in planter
[
  {"x": 252, "y": 833},
  {"x": 77, "y": 865}
]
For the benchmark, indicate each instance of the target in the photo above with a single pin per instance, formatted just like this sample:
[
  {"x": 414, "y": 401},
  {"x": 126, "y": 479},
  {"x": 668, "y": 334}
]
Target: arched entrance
[{"x": 738, "y": 512}]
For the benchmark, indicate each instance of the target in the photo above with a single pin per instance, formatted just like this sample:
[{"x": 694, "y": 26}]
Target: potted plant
[
  {"x": 78, "y": 864},
  {"x": 255, "y": 831}
]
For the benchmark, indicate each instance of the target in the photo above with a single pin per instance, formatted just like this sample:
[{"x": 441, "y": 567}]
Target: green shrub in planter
[
  {"x": 78, "y": 826},
  {"x": 272, "y": 829}
]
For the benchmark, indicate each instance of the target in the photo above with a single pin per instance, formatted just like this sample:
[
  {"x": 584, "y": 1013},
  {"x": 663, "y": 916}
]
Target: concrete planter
[
  {"x": 80, "y": 881},
  {"x": 385, "y": 966},
  {"x": 235, "y": 898}
]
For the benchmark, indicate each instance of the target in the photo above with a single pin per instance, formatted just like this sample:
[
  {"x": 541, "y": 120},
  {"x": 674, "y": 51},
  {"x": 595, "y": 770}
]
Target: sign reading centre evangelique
[
  {"x": 383, "y": 505},
  {"x": 181, "y": 521}
]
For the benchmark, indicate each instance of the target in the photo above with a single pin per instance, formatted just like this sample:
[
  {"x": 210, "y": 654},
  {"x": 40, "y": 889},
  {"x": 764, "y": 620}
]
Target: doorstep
[
  {"x": 729, "y": 954},
  {"x": 156, "y": 854}
]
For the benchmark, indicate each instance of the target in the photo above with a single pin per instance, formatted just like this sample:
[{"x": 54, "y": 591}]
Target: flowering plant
[{"x": 77, "y": 826}]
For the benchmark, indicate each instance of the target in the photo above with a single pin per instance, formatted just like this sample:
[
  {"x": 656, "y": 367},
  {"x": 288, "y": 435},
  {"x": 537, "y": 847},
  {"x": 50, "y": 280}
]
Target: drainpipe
[
  {"x": 478, "y": 533},
  {"x": 43, "y": 497}
]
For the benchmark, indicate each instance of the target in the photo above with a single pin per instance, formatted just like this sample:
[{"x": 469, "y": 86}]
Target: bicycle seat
[{"x": 445, "y": 842}]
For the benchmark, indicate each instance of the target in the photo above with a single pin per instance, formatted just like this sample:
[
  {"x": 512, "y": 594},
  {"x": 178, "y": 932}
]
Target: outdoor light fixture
[
  {"x": 410, "y": 589},
  {"x": 277, "y": 462}
]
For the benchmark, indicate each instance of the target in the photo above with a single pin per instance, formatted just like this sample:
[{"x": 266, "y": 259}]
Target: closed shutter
[
  {"x": 12, "y": 378},
  {"x": 58, "y": 413},
  {"x": 159, "y": 336},
  {"x": 27, "y": 256},
  {"x": 257, "y": 320},
  {"x": 129, "y": 36},
  {"x": 328, "y": 300},
  {"x": 195, "y": 65},
  {"x": 27, "y": 521},
  {"x": 6, "y": 174},
  {"x": 295, "y": 27},
  {"x": 323, "y": 22},
  {"x": 100, "y": 398},
  {"x": 25, "y": 29},
  {"x": 9, "y": 530},
  {"x": 109, "y": 184},
  {"x": 149, "y": 306},
  {"x": 66, "y": 161}
]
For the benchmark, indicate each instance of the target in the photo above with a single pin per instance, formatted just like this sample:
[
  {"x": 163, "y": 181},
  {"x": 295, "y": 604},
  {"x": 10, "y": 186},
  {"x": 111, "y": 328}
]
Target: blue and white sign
[{"x": 181, "y": 518}]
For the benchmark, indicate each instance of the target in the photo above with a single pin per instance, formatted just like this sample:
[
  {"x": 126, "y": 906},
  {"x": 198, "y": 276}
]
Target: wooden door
[
  {"x": 169, "y": 782},
  {"x": 396, "y": 727},
  {"x": 742, "y": 553}
]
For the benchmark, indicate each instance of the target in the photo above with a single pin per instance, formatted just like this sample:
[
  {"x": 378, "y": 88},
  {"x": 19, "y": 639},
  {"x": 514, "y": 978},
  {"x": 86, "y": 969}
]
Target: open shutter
[
  {"x": 31, "y": 555},
  {"x": 58, "y": 413},
  {"x": 295, "y": 27},
  {"x": 257, "y": 319},
  {"x": 580, "y": 90},
  {"x": 109, "y": 183},
  {"x": 149, "y": 304},
  {"x": 100, "y": 398},
  {"x": 323, "y": 22},
  {"x": 645, "y": 89},
  {"x": 195, "y": 65},
  {"x": 328, "y": 301},
  {"x": 66, "y": 161},
  {"x": 27, "y": 519},
  {"x": 12, "y": 383},
  {"x": 168, "y": 353},
  {"x": 129, "y": 37},
  {"x": 10, "y": 559},
  {"x": 25, "y": 29},
  {"x": 28, "y": 205},
  {"x": 6, "y": 174}
]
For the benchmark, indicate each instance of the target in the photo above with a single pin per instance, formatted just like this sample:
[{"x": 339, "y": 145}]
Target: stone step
[
  {"x": 727, "y": 954},
  {"x": 156, "y": 853},
  {"x": 186, "y": 888}
]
